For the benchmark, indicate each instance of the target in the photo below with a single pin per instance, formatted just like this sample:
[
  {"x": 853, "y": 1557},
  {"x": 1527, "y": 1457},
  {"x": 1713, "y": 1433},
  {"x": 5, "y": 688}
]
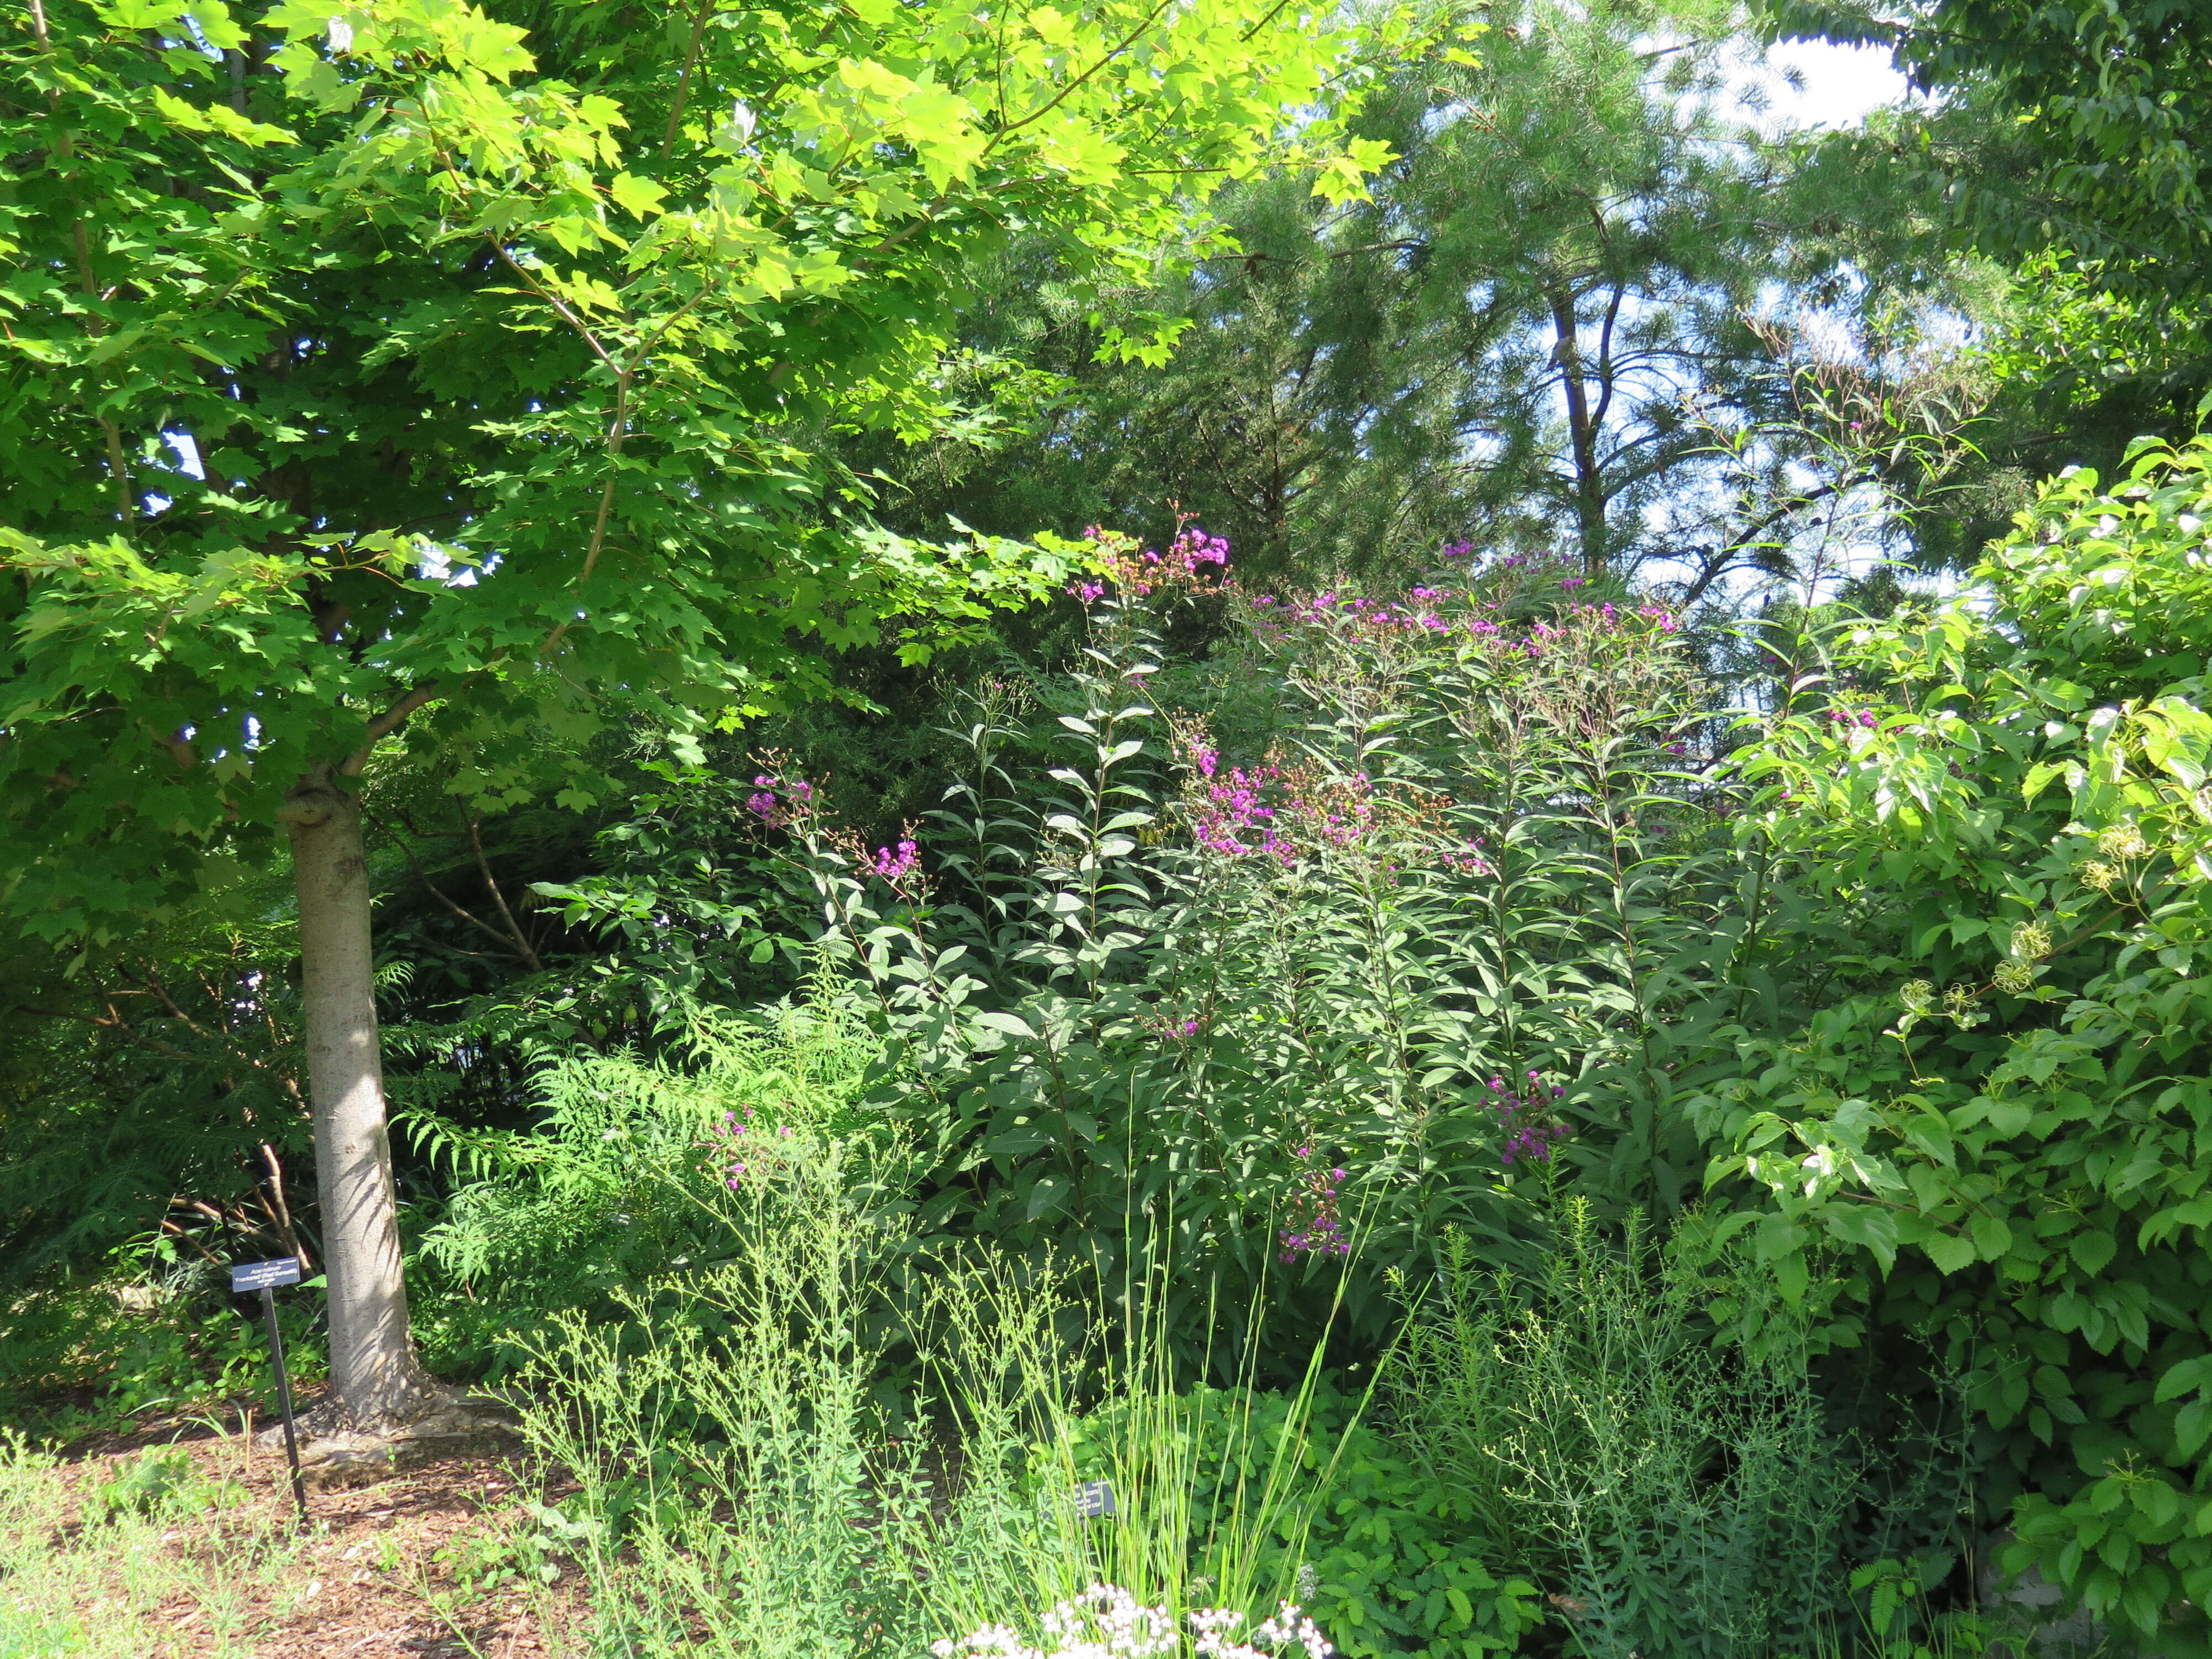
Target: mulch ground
[{"x": 397, "y": 1568}]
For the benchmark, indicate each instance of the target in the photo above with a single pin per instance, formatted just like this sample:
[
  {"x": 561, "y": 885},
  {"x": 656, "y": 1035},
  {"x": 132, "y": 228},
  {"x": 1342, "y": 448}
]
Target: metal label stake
[{"x": 265, "y": 1276}]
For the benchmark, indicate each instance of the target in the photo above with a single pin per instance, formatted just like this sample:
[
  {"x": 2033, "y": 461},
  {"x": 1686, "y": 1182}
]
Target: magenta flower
[
  {"x": 1192, "y": 548},
  {"x": 1314, "y": 1228},
  {"x": 1531, "y": 1128},
  {"x": 776, "y": 801},
  {"x": 892, "y": 866}
]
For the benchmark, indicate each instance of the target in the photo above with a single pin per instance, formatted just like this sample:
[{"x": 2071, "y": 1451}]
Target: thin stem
[
  {"x": 1068, "y": 91},
  {"x": 483, "y": 866},
  {"x": 684, "y": 75},
  {"x": 516, "y": 943}
]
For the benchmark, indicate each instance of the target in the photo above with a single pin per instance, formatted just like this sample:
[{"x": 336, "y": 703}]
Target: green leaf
[
  {"x": 639, "y": 197},
  {"x": 2192, "y": 1426},
  {"x": 1991, "y": 1234},
  {"x": 2189, "y": 1376},
  {"x": 1949, "y": 1252},
  {"x": 1791, "y": 1276},
  {"x": 133, "y": 15},
  {"x": 2092, "y": 1252},
  {"x": 1867, "y": 1226}
]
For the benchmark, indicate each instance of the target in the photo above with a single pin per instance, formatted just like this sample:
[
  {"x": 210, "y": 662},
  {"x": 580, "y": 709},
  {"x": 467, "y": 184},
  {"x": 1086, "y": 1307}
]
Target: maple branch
[
  {"x": 684, "y": 75},
  {"x": 396, "y": 716},
  {"x": 560, "y": 306},
  {"x": 618, "y": 435},
  {"x": 1068, "y": 91}
]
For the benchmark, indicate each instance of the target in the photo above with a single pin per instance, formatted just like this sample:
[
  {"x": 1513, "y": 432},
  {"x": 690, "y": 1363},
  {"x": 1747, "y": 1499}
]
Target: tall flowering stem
[
  {"x": 892, "y": 953},
  {"x": 1314, "y": 1227},
  {"x": 1434, "y": 837}
]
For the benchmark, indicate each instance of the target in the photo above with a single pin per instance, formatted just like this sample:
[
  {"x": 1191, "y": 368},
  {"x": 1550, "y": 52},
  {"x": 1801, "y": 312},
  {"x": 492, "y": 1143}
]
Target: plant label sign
[
  {"x": 265, "y": 1275},
  {"x": 1095, "y": 1499}
]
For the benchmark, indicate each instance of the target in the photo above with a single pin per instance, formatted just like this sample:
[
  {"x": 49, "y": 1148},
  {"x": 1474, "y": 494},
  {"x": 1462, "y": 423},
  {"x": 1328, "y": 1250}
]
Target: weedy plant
[
  {"x": 749, "y": 1484},
  {"x": 609, "y": 1186},
  {"x": 88, "y": 1570},
  {"x": 1681, "y": 1494}
]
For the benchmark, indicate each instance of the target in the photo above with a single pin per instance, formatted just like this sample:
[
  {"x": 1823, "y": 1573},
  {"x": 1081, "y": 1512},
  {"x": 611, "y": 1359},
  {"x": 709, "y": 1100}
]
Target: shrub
[
  {"x": 611, "y": 1192},
  {"x": 1997, "y": 814}
]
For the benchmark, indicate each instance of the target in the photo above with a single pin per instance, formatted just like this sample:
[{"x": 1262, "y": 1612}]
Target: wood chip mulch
[{"x": 392, "y": 1571}]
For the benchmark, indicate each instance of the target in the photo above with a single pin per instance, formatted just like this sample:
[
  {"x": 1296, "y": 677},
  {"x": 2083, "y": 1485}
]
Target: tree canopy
[{"x": 494, "y": 338}]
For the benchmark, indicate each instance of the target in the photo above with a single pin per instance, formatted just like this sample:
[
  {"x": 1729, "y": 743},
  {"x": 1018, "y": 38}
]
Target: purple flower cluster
[
  {"x": 1542, "y": 635},
  {"x": 892, "y": 866},
  {"x": 1339, "y": 813},
  {"x": 1171, "y": 1029},
  {"x": 782, "y": 802},
  {"x": 776, "y": 803},
  {"x": 1192, "y": 548},
  {"x": 730, "y": 1132},
  {"x": 1232, "y": 806},
  {"x": 1528, "y": 1119},
  {"x": 1865, "y": 717},
  {"x": 1376, "y": 615},
  {"x": 1314, "y": 1228},
  {"x": 1468, "y": 859},
  {"x": 1272, "y": 811},
  {"x": 1138, "y": 572}
]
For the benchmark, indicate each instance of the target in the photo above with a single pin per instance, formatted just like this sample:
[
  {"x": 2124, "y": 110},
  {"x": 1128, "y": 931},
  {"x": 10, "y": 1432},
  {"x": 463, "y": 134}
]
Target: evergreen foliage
[{"x": 1534, "y": 335}]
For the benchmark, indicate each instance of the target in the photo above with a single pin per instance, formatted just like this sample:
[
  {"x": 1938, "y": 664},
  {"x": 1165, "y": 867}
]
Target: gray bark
[{"x": 376, "y": 1383}]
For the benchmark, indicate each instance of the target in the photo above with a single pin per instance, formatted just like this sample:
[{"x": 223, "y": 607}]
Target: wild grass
[{"x": 146, "y": 1562}]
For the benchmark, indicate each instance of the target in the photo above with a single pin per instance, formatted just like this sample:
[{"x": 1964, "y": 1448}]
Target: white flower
[{"x": 1107, "y": 1622}]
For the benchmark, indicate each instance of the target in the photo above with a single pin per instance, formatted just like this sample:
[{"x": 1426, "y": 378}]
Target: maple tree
[{"x": 431, "y": 377}]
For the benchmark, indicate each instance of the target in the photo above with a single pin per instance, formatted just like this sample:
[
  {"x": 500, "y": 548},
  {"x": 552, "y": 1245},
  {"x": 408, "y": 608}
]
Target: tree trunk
[
  {"x": 1582, "y": 433},
  {"x": 376, "y": 1384}
]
